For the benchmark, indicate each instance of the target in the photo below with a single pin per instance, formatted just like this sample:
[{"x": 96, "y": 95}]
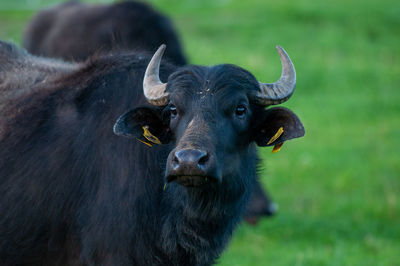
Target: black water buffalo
[
  {"x": 77, "y": 31},
  {"x": 100, "y": 166}
]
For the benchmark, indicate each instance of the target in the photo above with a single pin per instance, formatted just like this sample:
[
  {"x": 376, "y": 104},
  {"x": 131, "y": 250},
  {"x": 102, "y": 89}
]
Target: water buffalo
[
  {"x": 76, "y": 31},
  {"x": 102, "y": 163}
]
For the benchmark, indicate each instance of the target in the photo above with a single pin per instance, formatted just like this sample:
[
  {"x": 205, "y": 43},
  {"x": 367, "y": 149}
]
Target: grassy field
[{"x": 338, "y": 188}]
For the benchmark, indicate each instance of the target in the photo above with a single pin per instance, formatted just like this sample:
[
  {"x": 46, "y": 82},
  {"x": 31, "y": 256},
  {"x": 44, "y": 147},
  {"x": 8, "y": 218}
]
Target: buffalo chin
[{"x": 192, "y": 180}]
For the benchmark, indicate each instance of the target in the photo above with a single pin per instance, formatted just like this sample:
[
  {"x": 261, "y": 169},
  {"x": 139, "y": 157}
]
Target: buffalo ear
[
  {"x": 144, "y": 124},
  {"x": 268, "y": 130}
]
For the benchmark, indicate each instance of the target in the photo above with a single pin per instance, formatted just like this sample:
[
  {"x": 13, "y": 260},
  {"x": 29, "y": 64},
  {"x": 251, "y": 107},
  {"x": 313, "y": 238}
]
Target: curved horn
[
  {"x": 280, "y": 91},
  {"x": 153, "y": 88}
]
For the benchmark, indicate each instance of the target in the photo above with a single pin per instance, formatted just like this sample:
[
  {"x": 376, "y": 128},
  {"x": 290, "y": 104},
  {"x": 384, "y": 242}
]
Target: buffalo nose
[
  {"x": 190, "y": 159},
  {"x": 192, "y": 168}
]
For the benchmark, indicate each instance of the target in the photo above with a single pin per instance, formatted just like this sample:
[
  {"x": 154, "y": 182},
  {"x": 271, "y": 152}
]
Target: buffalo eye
[
  {"x": 172, "y": 110},
  {"x": 240, "y": 111}
]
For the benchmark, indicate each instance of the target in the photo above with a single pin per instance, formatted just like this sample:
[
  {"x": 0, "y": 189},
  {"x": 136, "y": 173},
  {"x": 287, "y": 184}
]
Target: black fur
[{"x": 74, "y": 193}]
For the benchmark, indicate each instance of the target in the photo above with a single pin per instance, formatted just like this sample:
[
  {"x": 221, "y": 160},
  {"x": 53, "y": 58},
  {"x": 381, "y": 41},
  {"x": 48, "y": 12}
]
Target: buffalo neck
[{"x": 200, "y": 221}]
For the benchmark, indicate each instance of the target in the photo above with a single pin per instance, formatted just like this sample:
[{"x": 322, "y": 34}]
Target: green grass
[{"x": 338, "y": 187}]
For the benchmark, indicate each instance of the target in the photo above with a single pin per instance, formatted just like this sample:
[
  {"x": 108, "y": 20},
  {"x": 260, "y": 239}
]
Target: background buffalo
[{"x": 75, "y": 31}]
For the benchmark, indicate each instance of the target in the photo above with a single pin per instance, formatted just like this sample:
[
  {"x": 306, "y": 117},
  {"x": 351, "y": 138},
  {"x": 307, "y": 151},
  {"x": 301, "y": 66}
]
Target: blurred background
[{"x": 338, "y": 188}]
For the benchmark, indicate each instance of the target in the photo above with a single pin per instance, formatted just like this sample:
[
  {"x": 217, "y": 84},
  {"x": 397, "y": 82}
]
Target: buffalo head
[{"x": 211, "y": 117}]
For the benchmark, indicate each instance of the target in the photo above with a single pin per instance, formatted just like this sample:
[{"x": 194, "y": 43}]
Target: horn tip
[{"x": 280, "y": 49}]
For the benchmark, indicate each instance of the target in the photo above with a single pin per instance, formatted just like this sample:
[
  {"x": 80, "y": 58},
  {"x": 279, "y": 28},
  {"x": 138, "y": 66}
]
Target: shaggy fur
[
  {"x": 75, "y": 31},
  {"x": 73, "y": 193}
]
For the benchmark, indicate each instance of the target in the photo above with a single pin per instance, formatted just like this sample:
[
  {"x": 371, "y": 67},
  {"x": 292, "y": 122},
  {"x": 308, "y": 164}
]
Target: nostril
[
  {"x": 175, "y": 159},
  {"x": 175, "y": 162},
  {"x": 203, "y": 159}
]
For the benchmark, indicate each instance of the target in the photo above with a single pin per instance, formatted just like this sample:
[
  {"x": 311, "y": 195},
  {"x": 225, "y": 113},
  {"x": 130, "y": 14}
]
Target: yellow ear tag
[
  {"x": 276, "y": 136},
  {"x": 144, "y": 142},
  {"x": 150, "y": 137},
  {"x": 277, "y": 147}
]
